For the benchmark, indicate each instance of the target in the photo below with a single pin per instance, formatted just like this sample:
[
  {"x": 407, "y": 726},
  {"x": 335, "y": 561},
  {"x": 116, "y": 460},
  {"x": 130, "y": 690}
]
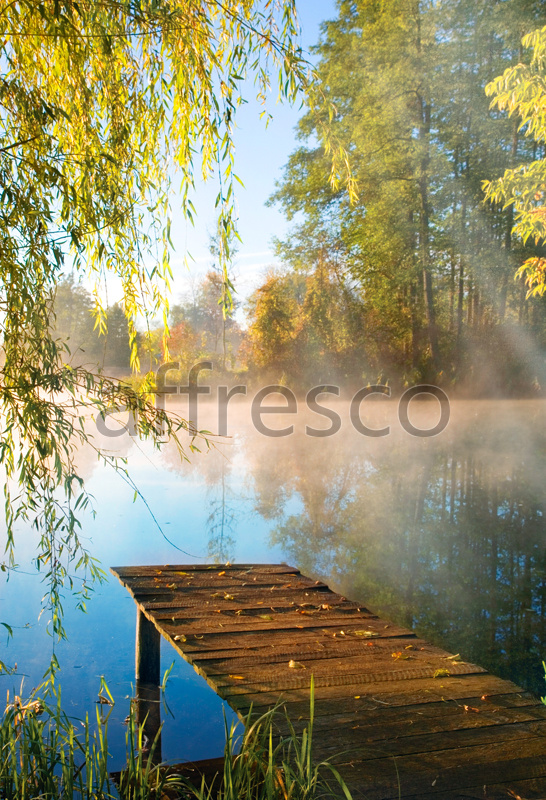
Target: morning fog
[{"x": 261, "y": 411}]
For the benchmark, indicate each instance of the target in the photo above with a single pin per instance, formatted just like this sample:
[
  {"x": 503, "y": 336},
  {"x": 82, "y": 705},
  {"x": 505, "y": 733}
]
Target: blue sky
[{"x": 261, "y": 154}]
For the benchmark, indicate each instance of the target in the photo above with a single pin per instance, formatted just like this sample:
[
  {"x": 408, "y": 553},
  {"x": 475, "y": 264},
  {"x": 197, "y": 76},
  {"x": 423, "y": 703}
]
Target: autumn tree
[
  {"x": 205, "y": 326},
  {"x": 309, "y": 328},
  {"x": 273, "y": 313}
]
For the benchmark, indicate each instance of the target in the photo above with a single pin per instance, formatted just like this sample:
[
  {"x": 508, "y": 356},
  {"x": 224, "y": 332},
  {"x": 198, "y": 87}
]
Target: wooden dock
[{"x": 397, "y": 716}]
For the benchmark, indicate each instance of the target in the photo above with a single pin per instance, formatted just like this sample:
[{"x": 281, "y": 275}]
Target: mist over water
[{"x": 445, "y": 534}]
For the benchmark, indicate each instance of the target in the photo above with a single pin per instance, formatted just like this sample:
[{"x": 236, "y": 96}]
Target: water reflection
[{"x": 444, "y": 534}]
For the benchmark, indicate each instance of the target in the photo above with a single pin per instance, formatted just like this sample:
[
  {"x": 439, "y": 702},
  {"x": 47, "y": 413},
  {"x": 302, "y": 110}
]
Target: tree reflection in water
[{"x": 446, "y": 534}]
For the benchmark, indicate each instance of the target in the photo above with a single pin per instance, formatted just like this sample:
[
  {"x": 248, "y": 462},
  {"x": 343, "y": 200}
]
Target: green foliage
[
  {"x": 521, "y": 90},
  {"x": 43, "y": 755},
  {"x": 273, "y": 767},
  {"x": 105, "y": 105},
  {"x": 430, "y": 264}
]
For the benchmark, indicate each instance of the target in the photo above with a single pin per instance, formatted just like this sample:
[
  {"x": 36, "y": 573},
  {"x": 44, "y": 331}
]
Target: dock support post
[
  {"x": 148, "y": 716},
  {"x": 147, "y": 669},
  {"x": 147, "y": 654}
]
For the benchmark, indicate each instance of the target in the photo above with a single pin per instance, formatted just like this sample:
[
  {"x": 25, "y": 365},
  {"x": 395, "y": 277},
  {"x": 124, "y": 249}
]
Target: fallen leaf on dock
[
  {"x": 237, "y": 677},
  {"x": 180, "y": 638},
  {"x": 296, "y": 664},
  {"x": 471, "y": 708},
  {"x": 366, "y": 633},
  {"x": 229, "y": 597},
  {"x": 221, "y": 573},
  {"x": 266, "y": 616},
  {"x": 442, "y": 673}
]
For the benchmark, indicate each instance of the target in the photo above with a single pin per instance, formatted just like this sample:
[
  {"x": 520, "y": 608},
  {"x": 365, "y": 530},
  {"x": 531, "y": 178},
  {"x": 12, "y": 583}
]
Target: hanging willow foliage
[
  {"x": 521, "y": 90},
  {"x": 106, "y": 109}
]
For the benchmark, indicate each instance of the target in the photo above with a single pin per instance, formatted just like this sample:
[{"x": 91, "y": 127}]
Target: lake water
[{"x": 445, "y": 533}]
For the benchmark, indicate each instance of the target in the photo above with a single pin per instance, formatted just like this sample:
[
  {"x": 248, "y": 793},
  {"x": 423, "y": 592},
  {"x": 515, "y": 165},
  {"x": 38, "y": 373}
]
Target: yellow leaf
[
  {"x": 442, "y": 673},
  {"x": 296, "y": 664}
]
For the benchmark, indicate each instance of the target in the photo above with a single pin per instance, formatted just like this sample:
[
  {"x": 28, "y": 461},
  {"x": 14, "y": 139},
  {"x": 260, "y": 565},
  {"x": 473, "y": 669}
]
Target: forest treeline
[{"x": 415, "y": 281}]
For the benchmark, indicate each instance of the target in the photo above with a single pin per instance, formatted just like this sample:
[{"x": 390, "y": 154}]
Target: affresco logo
[{"x": 193, "y": 389}]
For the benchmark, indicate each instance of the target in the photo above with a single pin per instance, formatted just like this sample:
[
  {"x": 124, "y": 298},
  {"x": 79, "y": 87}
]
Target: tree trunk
[
  {"x": 424, "y": 237},
  {"x": 424, "y": 226}
]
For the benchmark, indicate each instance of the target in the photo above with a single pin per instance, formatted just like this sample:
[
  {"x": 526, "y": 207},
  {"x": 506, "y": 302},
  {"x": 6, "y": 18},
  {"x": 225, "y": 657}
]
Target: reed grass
[{"x": 43, "y": 755}]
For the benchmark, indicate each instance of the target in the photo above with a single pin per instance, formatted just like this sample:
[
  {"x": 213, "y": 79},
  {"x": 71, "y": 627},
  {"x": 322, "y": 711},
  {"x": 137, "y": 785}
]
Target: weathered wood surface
[{"x": 390, "y": 727}]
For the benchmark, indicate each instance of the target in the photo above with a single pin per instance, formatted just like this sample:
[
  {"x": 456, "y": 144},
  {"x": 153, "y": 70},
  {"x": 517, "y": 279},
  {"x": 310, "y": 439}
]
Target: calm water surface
[{"x": 445, "y": 534}]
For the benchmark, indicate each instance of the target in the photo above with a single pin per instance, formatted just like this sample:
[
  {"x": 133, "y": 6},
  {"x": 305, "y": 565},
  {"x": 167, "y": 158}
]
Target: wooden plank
[
  {"x": 318, "y": 649},
  {"x": 155, "y": 569},
  {"x": 325, "y": 661},
  {"x": 448, "y": 770},
  {"x": 282, "y": 638},
  {"x": 532, "y": 789},
  {"x": 251, "y": 601},
  {"x": 408, "y": 696},
  {"x": 289, "y": 680},
  {"x": 392, "y": 723},
  {"x": 388, "y": 693},
  {"x": 354, "y": 744},
  {"x": 234, "y": 580},
  {"x": 340, "y": 627},
  {"x": 213, "y": 614}
]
